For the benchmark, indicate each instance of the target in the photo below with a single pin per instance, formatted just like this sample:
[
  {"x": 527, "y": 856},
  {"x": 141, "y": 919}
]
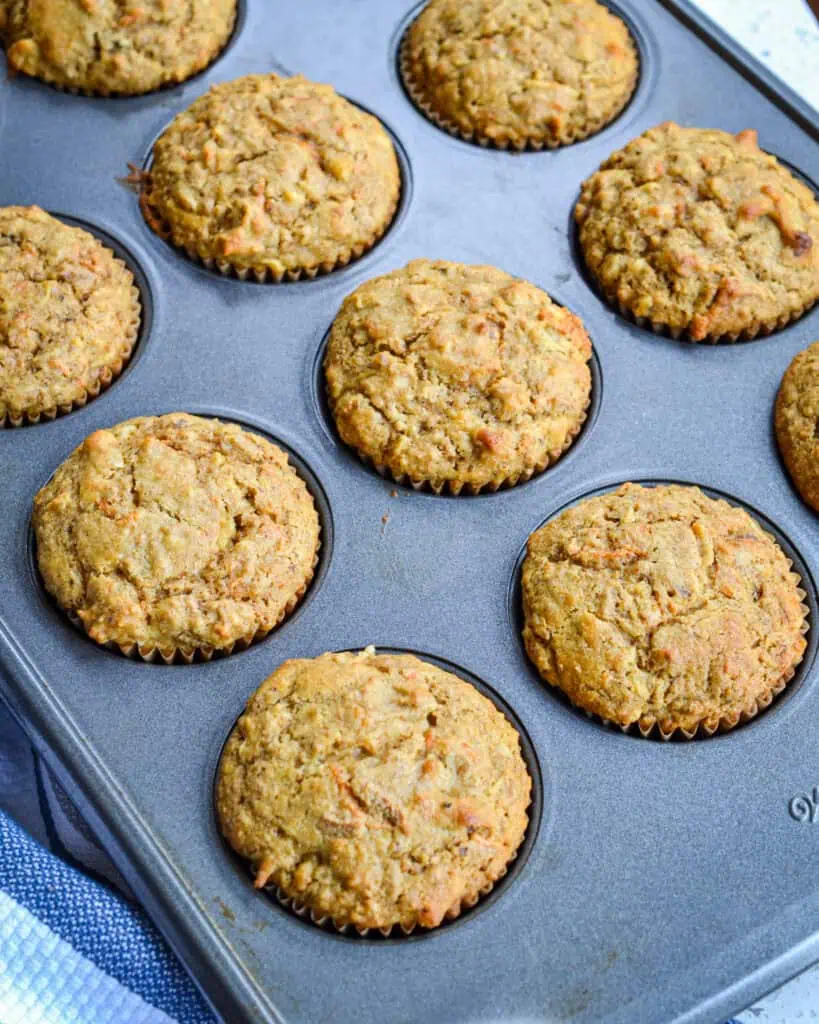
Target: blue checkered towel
[{"x": 72, "y": 949}]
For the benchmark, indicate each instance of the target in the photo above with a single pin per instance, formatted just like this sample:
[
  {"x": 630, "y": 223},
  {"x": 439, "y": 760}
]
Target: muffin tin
[{"x": 659, "y": 882}]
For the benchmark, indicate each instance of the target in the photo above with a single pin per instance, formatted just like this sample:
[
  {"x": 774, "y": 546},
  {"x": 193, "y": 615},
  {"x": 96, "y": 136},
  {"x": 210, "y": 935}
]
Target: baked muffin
[
  {"x": 797, "y": 422},
  {"x": 700, "y": 233},
  {"x": 373, "y": 790},
  {"x": 519, "y": 72},
  {"x": 275, "y": 176},
  {"x": 456, "y": 376},
  {"x": 69, "y": 316},
  {"x": 662, "y": 607},
  {"x": 176, "y": 535},
  {"x": 128, "y": 47}
]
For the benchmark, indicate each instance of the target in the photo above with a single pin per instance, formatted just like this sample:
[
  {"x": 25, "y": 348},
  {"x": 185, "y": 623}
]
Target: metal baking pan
[{"x": 660, "y": 882}]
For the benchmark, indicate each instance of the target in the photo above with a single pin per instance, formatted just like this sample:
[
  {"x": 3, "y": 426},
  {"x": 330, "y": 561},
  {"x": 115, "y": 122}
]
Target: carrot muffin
[
  {"x": 176, "y": 534},
  {"x": 374, "y": 790},
  {"x": 129, "y": 47},
  {"x": 69, "y": 316},
  {"x": 520, "y": 73},
  {"x": 457, "y": 376},
  {"x": 797, "y": 422},
  {"x": 662, "y": 607},
  {"x": 278, "y": 176},
  {"x": 701, "y": 233}
]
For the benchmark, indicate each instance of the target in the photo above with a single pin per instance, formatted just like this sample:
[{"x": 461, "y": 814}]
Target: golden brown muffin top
[
  {"x": 176, "y": 533},
  {"x": 275, "y": 174},
  {"x": 662, "y": 606},
  {"x": 517, "y": 72},
  {"x": 797, "y": 422},
  {"x": 458, "y": 375},
  {"x": 375, "y": 789},
  {"x": 701, "y": 231},
  {"x": 69, "y": 313},
  {"x": 101, "y": 46}
]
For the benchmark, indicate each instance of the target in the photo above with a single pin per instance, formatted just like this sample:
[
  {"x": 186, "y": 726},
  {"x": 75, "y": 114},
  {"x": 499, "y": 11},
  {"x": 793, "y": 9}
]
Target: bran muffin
[
  {"x": 797, "y": 422},
  {"x": 69, "y": 316},
  {"x": 456, "y": 376},
  {"x": 176, "y": 535},
  {"x": 272, "y": 176},
  {"x": 105, "y": 48},
  {"x": 700, "y": 233},
  {"x": 519, "y": 73},
  {"x": 373, "y": 790},
  {"x": 662, "y": 608}
]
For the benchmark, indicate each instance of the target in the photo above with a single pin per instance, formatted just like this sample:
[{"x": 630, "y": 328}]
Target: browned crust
[{"x": 536, "y": 141}]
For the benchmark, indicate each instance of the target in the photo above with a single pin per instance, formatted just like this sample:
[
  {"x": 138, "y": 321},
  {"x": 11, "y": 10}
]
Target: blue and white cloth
[{"x": 73, "y": 949}]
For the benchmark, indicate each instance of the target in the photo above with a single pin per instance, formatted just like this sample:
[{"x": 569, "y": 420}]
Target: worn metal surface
[{"x": 666, "y": 881}]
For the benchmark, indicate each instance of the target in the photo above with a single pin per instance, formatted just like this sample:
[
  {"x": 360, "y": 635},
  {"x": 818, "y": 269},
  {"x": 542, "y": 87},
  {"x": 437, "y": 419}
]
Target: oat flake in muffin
[
  {"x": 663, "y": 608},
  {"x": 700, "y": 233},
  {"x": 374, "y": 790},
  {"x": 104, "y": 47},
  {"x": 519, "y": 72},
  {"x": 176, "y": 534},
  {"x": 457, "y": 376},
  {"x": 272, "y": 176},
  {"x": 69, "y": 316}
]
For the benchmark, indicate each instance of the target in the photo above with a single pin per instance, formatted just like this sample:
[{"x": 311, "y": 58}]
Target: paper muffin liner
[
  {"x": 650, "y": 727},
  {"x": 341, "y": 927},
  {"x": 457, "y": 487},
  {"x": 189, "y": 655},
  {"x": 347, "y": 928},
  {"x": 758, "y": 329},
  {"x": 530, "y": 143},
  {"x": 261, "y": 274},
  {"x": 107, "y": 376},
  {"x": 101, "y": 93}
]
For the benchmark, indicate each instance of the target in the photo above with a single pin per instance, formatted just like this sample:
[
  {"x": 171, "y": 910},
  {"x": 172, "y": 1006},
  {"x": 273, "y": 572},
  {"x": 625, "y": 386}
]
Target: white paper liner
[
  {"x": 267, "y": 275},
  {"x": 533, "y": 143},
  {"x": 107, "y": 376},
  {"x": 650, "y": 728}
]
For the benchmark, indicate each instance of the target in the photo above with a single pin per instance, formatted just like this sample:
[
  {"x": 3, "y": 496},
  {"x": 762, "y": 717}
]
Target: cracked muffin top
[
  {"x": 126, "y": 47},
  {"x": 662, "y": 606},
  {"x": 701, "y": 232},
  {"x": 520, "y": 72},
  {"x": 275, "y": 175},
  {"x": 374, "y": 789},
  {"x": 69, "y": 315},
  {"x": 457, "y": 375},
  {"x": 176, "y": 533},
  {"x": 797, "y": 422}
]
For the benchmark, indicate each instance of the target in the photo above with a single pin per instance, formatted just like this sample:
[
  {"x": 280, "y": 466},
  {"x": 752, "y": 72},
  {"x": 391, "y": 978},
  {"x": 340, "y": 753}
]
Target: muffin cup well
[
  {"x": 759, "y": 329},
  {"x": 394, "y": 931},
  {"x": 650, "y": 727},
  {"x": 100, "y": 93},
  {"x": 189, "y": 655},
  {"x": 458, "y": 487},
  {"x": 530, "y": 143},
  {"x": 261, "y": 274},
  {"x": 107, "y": 375}
]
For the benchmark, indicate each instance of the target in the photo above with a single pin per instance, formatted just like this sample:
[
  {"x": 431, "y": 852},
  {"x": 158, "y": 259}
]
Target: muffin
[
  {"x": 456, "y": 376},
  {"x": 127, "y": 48},
  {"x": 274, "y": 176},
  {"x": 700, "y": 233},
  {"x": 662, "y": 608},
  {"x": 176, "y": 535},
  {"x": 520, "y": 73},
  {"x": 373, "y": 790},
  {"x": 69, "y": 316},
  {"x": 797, "y": 423}
]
